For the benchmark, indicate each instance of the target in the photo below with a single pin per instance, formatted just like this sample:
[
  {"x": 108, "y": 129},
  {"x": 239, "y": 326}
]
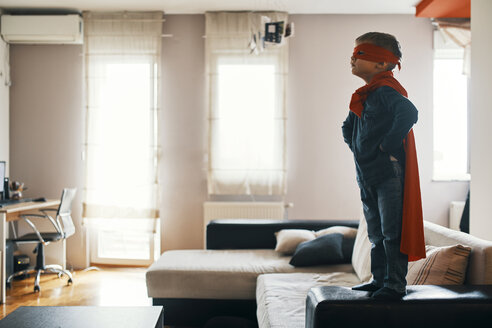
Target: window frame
[{"x": 97, "y": 228}]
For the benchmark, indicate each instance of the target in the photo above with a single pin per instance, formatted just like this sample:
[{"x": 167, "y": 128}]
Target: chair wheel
[
  {"x": 37, "y": 288},
  {"x": 69, "y": 282}
]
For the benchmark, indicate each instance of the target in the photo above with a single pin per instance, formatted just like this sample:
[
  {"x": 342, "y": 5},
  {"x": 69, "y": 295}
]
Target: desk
[{"x": 12, "y": 213}]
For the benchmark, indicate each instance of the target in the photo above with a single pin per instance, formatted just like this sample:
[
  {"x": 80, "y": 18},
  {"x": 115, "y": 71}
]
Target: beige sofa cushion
[
  {"x": 444, "y": 265},
  {"x": 281, "y": 298},
  {"x": 361, "y": 255},
  {"x": 219, "y": 274},
  {"x": 479, "y": 270}
]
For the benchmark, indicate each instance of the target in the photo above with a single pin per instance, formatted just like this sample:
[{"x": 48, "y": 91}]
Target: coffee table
[{"x": 85, "y": 316}]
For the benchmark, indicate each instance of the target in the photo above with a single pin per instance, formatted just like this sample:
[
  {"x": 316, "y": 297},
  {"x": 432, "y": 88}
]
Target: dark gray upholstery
[
  {"x": 423, "y": 306},
  {"x": 260, "y": 233}
]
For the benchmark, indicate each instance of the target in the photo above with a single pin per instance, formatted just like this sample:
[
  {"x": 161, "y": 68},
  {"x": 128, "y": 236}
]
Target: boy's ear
[{"x": 382, "y": 65}]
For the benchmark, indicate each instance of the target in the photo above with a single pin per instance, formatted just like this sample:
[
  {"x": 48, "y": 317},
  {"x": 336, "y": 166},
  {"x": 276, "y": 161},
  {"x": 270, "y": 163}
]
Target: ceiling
[{"x": 201, "y": 6}]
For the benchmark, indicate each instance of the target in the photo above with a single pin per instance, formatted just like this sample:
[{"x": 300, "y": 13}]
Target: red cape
[{"x": 412, "y": 234}]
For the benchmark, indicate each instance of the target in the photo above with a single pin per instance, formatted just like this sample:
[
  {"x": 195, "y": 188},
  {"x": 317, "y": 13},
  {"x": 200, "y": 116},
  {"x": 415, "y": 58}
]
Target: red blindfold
[{"x": 373, "y": 53}]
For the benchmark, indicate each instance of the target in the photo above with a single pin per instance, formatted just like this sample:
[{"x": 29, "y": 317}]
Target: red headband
[{"x": 373, "y": 53}]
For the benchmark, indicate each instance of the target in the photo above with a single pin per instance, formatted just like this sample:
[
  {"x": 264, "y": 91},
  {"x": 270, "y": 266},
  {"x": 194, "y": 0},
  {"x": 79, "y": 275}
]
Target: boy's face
[{"x": 366, "y": 69}]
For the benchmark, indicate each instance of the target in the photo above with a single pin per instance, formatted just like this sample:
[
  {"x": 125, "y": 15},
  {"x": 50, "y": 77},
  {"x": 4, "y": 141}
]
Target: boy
[{"x": 378, "y": 131}]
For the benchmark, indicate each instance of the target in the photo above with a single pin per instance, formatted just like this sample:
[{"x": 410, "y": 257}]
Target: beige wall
[
  {"x": 47, "y": 91},
  {"x": 182, "y": 132},
  {"x": 481, "y": 117},
  {"x": 4, "y": 104},
  {"x": 47, "y": 126}
]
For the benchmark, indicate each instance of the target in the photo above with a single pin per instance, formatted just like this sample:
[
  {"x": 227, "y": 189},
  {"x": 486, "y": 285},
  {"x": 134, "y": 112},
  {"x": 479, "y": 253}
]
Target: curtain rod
[
  {"x": 128, "y": 35},
  {"x": 127, "y": 20}
]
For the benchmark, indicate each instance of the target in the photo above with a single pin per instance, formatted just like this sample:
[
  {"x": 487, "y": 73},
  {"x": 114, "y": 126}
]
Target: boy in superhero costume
[{"x": 378, "y": 131}]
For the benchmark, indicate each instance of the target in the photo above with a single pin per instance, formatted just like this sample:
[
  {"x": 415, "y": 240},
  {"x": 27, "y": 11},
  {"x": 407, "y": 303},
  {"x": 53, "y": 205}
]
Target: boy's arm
[
  {"x": 348, "y": 128},
  {"x": 405, "y": 116}
]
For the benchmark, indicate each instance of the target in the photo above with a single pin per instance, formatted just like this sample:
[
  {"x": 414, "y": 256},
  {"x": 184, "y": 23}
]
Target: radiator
[
  {"x": 243, "y": 210},
  {"x": 455, "y": 213}
]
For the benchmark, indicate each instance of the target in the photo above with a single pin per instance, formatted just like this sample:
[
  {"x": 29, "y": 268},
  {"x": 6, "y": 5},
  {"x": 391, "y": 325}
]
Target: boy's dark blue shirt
[{"x": 386, "y": 120}]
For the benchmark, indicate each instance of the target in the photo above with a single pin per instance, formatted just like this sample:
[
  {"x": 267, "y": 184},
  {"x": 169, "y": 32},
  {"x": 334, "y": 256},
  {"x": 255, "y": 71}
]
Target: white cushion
[
  {"x": 347, "y": 232},
  {"x": 289, "y": 239},
  {"x": 361, "y": 256}
]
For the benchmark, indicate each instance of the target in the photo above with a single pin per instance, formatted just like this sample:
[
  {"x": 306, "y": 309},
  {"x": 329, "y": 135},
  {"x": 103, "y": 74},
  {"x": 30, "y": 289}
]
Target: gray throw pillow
[{"x": 326, "y": 249}]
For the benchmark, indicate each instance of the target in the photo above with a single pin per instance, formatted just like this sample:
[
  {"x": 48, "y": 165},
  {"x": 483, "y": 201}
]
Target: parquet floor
[{"x": 111, "y": 286}]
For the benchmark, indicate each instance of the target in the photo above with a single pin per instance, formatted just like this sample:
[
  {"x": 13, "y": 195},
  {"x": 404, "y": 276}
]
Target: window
[
  {"x": 129, "y": 241},
  {"x": 119, "y": 133},
  {"x": 450, "y": 113},
  {"x": 246, "y": 103},
  {"x": 246, "y": 109}
]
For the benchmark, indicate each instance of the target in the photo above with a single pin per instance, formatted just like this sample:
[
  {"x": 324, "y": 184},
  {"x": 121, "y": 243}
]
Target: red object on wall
[{"x": 444, "y": 8}]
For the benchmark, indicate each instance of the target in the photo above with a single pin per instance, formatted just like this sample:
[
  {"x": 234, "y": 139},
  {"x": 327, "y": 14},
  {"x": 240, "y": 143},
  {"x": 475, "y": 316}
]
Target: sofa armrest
[
  {"x": 423, "y": 306},
  {"x": 259, "y": 233}
]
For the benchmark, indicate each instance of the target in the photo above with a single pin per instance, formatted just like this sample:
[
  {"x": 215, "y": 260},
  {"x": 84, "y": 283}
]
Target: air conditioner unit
[{"x": 45, "y": 29}]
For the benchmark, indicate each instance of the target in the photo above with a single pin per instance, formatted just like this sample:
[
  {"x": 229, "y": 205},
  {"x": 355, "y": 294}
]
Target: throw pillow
[
  {"x": 326, "y": 249},
  {"x": 349, "y": 235},
  {"x": 288, "y": 239},
  {"x": 361, "y": 256},
  {"x": 443, "y": 266}
]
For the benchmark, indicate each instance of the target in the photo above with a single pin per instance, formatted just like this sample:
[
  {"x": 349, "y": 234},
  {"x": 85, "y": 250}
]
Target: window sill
[{"x": 454, "y": 178}]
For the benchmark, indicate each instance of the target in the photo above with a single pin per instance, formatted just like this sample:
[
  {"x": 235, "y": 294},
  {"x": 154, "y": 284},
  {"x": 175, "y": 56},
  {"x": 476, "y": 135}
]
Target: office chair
[{"x": 64, "y": 228}]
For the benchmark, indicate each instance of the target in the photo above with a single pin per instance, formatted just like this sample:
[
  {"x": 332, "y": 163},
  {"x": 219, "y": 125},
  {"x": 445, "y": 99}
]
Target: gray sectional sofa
[{"x": 241, "y": 275}]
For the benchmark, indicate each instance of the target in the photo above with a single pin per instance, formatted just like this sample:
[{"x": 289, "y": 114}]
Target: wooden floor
[{"x": 108, "y": 287}]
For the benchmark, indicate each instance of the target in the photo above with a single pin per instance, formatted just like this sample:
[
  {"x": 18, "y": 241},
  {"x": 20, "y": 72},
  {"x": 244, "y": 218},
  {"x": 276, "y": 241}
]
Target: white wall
[
  {"x": 183, "y": 132},
  {"x": 481, "y": 118},
  {"x": 4, "y": 104},
  {"x": 47, "y": 121}
]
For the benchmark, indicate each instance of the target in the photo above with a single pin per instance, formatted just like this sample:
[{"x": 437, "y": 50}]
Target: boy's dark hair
[{"x": 383, "y": 40}]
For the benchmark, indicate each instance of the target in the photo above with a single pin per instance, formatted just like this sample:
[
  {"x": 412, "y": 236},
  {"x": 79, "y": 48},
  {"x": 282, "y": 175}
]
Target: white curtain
[
  {"x": 246, "y": 99},
  {"x": 122, "y": 57},
  {"x": 458, "y": 30}
]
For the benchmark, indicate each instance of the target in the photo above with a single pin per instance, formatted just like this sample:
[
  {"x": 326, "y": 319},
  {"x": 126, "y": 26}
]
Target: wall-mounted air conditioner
[{"x": 42, "y": 29}]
